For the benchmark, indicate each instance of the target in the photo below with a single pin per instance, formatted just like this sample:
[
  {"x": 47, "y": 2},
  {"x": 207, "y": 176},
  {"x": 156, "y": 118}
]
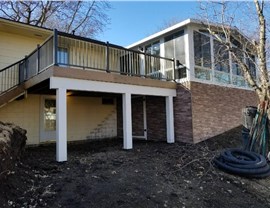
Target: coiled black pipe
[{"x": 243, "y": 163}]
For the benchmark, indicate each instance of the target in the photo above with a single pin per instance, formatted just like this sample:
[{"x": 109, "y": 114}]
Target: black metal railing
[
  {"x": 67, "y": 50},
  {"x": 9, "y": 76},
  {"x": 38, "y": 61},
  {"x": 95, "y": 55}
]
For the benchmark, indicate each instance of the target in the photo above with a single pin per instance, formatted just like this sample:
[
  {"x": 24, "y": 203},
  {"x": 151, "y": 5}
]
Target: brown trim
[{"x": 110, "y": 77}]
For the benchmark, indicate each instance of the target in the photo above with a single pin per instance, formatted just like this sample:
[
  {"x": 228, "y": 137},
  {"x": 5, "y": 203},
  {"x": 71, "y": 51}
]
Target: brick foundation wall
[
  {"x": 156, "y": 118},
  {"x": 155, "y": 114},
  {"x": 137, "y": 116},
  {"x": 183, "y": 114},
  {"x": 216, "y": 109}
]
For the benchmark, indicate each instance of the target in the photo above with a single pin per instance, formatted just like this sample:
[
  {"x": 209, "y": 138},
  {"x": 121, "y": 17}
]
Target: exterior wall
[
  {"x": 87, "y": 117},
  {"x": 216, "y": 109},
  {"x": 26, "y": 114},
  {"x": 183, "y": 114},
  {"x": 137, "y": 116},
  {"x": 155, "y": 117},
  {"x": 119, "y": 110},
  {"x": 14, "y": 47}
]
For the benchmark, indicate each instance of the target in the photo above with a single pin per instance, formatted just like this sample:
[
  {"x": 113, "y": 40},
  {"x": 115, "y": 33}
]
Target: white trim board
[{"x": 96, "y": 86}]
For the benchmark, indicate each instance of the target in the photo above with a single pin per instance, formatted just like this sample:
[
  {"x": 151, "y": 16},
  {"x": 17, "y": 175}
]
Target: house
[
  {"x": 65, "y": 87},
  {"x": 213, "y": 90}
]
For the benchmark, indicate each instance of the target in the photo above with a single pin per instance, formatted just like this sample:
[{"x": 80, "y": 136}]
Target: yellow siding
[
  {"x": 85, "y": 115},
  {"x": 14, "y": 47},
  {"x": 24, "y": 113}
]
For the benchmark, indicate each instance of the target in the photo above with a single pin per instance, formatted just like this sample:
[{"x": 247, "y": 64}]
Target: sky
[{"x": 132, "y": 21}]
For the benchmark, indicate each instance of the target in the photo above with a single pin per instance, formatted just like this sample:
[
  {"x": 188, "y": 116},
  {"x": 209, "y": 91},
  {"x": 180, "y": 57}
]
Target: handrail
[
  {"x": 1, "y": 70},
  {"x": 106, "y": 57},
  {"x": 107, "y": 44}
]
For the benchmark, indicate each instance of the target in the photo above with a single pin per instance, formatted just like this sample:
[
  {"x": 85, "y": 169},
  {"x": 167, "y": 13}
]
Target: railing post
[
  {"x": 145, "y": 65},
  {"x": 108, "y": 58},
  {"x": 173, "y": 73},
  {"x": 55, "y": 47},
  {"x": 38, "y": 59},
  {"x": 26, "y": 69}
]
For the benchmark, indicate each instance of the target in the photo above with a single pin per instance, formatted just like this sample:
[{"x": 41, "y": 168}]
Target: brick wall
[
  {"x": 137, "y": 116},
  {"x": 155, "y": 114},
  {"x": 216, "y": 109},
  {"x": 156, "y": 118},
  {"x": 183, "y": 114}
]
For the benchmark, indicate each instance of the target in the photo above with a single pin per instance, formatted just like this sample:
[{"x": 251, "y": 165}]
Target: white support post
[
  {"x": 189, "y": 54},
  {"x": 169, "y": 119},
  {"x": 61, "y": 125},
  {"x": 127, "y": 120}
]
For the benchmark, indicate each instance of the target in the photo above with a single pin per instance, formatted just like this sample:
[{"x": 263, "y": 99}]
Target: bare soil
[{"x": 153, "y": 174}]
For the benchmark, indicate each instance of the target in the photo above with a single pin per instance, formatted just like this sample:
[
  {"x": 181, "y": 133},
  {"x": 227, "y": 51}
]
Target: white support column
[
  {"x": 189, "y": 53},
  {"x": 169, "y": 119},
  {"x": 61, "y": 125},
  {"x": 127, "y": 120}
]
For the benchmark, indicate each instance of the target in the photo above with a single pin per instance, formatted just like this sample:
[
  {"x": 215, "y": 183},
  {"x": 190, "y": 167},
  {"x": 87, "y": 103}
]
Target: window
[
  {"x": 153, "y": 49},
  {"x": 202, "y": 50},
  {"x": 152, "y": 64},
  {"x": 236, "y": 70},
  {"x": 175, "y": 48},
  {"x": 202, "y": 56},
  {"x": 250, "y": 61},
  {"x": 212, "y": 60},
  {"x": 221, "y": 56},
  {"x": 50, "y": 115},
  {"x": 62, "y": 56},
  {"x": 221, "y": 63}
]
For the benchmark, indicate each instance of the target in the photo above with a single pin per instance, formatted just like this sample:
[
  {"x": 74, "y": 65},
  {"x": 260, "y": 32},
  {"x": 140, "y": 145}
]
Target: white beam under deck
[
  {"x": 62, "y": 84},
  {"x": 96, "y": 86}
]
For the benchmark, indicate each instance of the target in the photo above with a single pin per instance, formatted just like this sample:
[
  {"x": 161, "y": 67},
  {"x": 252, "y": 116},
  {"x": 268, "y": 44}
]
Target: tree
[
  {"x": 168, "y": 23},
  {"x": 233, "y": 17},
  {"x": 87, "y": 18}
]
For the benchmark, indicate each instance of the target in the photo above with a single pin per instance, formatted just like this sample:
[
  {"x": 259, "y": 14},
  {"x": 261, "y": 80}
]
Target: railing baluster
[
  {"x": 108, "y": 58},
  {"x": 38, "y": 59},
  {"x": 55, "y": 47}
]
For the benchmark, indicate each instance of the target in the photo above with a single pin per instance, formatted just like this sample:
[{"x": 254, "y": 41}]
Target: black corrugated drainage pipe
[{"x": 243, "y": 163}]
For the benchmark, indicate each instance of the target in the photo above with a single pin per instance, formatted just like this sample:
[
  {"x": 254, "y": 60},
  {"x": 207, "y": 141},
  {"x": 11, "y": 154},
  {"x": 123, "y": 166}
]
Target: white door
[{"x": 48, "y": 119}]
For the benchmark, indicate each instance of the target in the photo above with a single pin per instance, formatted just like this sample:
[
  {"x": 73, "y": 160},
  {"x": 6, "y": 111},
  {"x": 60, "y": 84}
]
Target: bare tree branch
[
  {"x": 87, "y": 18},
  {"x": 261, "y": 46}
]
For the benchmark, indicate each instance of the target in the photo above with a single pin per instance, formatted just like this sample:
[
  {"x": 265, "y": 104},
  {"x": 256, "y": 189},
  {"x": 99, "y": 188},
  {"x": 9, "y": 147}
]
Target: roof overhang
[
  {"x": 19, "y": 28},
  {"x": 183, "y": 24}
]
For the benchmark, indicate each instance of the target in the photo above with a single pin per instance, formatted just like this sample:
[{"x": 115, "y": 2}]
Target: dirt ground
[{"x": 153, "y": 174}]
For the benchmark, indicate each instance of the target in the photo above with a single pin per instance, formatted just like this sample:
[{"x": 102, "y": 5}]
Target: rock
[{"x": 12, "y": 144}]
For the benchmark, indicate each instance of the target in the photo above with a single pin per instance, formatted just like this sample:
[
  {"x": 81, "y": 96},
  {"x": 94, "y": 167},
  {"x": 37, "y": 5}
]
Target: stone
[{"x": 12, "y": 144}]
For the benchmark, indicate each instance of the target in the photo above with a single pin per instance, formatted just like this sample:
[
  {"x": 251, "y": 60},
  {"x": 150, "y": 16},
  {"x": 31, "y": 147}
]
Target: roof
[
  {"x": 177, "y": 26},
  {"x": 20, "y": 28}
]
